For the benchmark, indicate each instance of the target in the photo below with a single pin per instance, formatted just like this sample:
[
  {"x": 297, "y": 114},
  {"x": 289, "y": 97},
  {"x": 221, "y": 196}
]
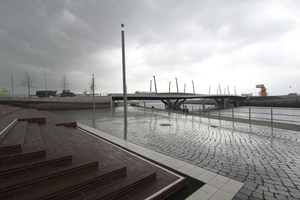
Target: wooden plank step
[
  {"x": 67, "y": 124},
  {"x": 171, "y": 190},
  {"x": 31, "y": 115},
  {"x": 13, "y": 171},
  {"x": 68, "y": 185},
  {"x": 7, "y": 128},
  {"x": 15, "y": 138},
  {"x": 20, "y": 157},
  {"x": 6, "y": 109},
  {"x": 128, "y": 187},
  {"x": 11, "y": 187},
  {"x": 58, "y": 142},
  {"x": 117, "y": 190},
  {"x": 34, "y": 139},
  {"x": 75, "y": 190},
  {"x": 7, "y": 149}
]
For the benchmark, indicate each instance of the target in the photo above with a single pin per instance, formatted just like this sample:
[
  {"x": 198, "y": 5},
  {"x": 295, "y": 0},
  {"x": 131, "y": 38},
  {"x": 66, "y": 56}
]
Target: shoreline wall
[{"x": 273, "y": 101}]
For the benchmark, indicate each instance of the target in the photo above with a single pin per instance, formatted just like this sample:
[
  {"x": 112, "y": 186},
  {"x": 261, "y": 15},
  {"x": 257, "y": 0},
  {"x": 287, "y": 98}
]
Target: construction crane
[{"x": 263, "y": 90}]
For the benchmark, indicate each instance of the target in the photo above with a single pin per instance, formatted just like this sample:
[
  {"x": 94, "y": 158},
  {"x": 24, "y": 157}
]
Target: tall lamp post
[
  {"x": 124, "y": 79},
  {"x": 12, "y": 86},
  {"x": 193, "y": 87},
  {"x": 155, "y": 85},
  {"x": 46, "y": 85},
  {"x": 177, "y": 85},
  {"x": 94, "y": 107}
]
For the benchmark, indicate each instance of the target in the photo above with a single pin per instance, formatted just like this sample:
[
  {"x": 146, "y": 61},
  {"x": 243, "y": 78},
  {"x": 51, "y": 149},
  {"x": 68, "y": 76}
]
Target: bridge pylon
[{"x": 173, "y": 105}]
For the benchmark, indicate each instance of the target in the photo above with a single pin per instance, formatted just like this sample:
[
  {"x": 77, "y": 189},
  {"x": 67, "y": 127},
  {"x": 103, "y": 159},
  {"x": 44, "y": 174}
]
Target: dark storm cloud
[{"x": 170, "y": 38}]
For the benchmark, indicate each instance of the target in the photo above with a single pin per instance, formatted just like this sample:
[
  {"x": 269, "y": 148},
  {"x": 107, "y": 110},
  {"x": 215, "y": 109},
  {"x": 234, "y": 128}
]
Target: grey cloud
[{"x": 83, "y": 37}]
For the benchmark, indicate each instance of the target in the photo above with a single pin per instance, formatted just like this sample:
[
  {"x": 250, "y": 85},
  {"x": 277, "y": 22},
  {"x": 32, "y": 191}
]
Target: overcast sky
[{"x": 235, "y": 43}]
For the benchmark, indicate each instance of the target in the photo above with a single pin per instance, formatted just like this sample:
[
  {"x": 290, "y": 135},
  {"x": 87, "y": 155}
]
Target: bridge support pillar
[
  {"x": 203, "y": 105},
  {"x": 223, "y": 103},
  {"x": 173, "y": 105}
]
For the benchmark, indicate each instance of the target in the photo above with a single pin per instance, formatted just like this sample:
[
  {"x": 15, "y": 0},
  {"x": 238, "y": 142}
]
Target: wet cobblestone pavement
[{"x": 267, "y": 160}]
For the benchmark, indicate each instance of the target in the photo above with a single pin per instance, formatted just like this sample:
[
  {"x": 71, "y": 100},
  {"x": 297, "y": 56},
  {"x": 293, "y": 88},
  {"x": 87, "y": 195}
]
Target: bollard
[
  {"x": 249, "y": 115},
  {"x": 233, "y": 117},
  {"x": 272, "y": 117},
  {"x": 272, "y": 121}
]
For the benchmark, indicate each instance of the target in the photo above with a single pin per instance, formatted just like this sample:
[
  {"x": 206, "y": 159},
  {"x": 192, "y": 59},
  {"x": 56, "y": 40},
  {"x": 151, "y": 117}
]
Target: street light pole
[
  {"x": 94, "y": 107},
  {"x": 155, "y": 85},
  {"x": 124, "y": 78},
  {"x": 193, "y": 87},
  {"x": 46, "y": 84},
  {"x": 177, "y": 85},
  {"x": 12, "y": 86}
]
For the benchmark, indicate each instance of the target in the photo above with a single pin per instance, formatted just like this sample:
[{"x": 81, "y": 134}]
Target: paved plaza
[{"x": 265, "y": 159}]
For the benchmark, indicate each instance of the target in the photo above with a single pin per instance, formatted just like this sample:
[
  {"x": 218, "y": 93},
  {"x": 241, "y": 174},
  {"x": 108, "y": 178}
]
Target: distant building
[
  {"x": 143, "y": 92},
  {"x": 5, "y": 93},
  {"x": 292, "y": 94},
  {"x": 247, "y": 95}
]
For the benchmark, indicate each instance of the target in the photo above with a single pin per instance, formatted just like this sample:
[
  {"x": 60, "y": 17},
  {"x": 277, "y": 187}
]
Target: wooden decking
[{"x": 43, "y": 156}]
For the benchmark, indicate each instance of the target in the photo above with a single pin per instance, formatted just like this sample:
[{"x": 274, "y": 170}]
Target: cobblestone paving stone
[{"x": 266, "y": 160}]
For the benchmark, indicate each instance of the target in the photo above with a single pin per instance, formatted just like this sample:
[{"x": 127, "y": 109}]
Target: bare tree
[
  {"x": 28, "y": 81},
  {"x": 64, "y": 82}
]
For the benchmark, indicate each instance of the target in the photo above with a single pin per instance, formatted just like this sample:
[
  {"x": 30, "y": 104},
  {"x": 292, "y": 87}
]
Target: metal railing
[{"x": 268, "y": 114}]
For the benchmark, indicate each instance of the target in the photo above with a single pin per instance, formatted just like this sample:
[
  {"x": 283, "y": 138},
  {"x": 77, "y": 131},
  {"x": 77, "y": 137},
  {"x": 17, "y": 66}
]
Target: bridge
[
  {"x": 175, "y": 100},
  {"x": 171, "y": 100}
]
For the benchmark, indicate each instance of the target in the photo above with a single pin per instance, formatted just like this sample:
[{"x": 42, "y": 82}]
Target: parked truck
[
  {"x": 45, "y": 93},
  {"x": 67, "y": 93}
]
